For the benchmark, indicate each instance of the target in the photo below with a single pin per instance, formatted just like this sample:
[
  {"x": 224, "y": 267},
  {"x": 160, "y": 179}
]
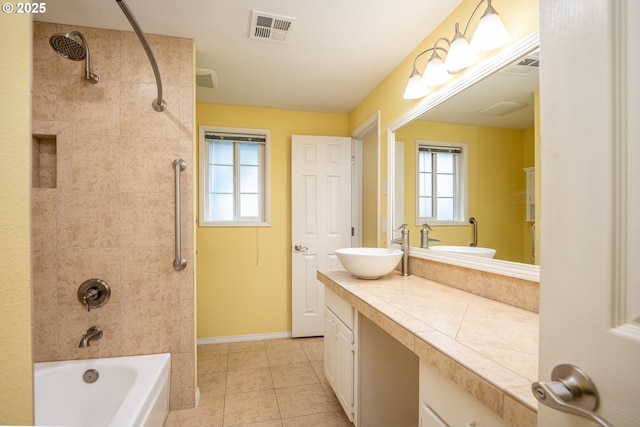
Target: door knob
[
  {"x": 300, "y": 248},
  {"x": 572, "y": 391}
]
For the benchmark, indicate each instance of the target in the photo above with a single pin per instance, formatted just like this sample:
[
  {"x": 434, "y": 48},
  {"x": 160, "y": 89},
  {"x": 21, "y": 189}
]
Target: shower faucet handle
[
  {"x": 94, "y": 293},
  {"x": 91, "y": 294}
]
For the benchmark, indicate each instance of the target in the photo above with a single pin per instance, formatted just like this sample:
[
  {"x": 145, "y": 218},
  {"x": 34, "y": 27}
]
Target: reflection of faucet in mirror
[
  {"x": 403, "y": 241},
  {"x": 424, "y": 236}
]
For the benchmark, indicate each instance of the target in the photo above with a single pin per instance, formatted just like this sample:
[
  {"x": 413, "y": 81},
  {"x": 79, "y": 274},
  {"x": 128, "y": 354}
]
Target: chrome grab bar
[
  {"x": 473, "y": 221},
  {"x": 179, "y": 263}
]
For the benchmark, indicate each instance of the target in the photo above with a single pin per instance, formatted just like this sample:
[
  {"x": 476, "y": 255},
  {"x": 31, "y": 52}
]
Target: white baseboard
[{"x": 248, "y": 337}]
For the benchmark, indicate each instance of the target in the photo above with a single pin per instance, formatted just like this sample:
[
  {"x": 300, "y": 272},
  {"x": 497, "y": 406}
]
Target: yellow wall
[
  {"x": 519, "y": 16},
  {"x": 243, "y": 278},
  {"x": 16, "y": 392},
  {"x": 244, "y": 273},
  {"x": 496, "y": 184}
]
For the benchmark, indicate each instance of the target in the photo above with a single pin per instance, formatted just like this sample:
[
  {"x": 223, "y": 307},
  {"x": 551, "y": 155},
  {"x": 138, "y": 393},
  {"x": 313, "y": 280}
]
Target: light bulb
[
  {"x": 491, "y": 32},
  {"x": 461, "y": 55},
  {"x": 436, "y": 73},
  {"x": 415, "y": 87}
]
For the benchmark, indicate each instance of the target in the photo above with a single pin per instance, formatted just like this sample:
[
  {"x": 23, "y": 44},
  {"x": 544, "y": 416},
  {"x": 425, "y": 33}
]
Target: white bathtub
[{"x": 130, "y": 391}]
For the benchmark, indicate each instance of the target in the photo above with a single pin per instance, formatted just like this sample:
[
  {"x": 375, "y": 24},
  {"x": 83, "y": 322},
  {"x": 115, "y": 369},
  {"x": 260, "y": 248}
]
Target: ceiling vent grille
[
  {"x": 526, "y": 65},
  {"x": 267, "y": 26}
]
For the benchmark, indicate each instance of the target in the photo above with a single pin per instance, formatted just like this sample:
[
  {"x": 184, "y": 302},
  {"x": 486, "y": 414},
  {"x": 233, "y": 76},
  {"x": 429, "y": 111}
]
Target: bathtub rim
[{"x": 153, "y": 374}]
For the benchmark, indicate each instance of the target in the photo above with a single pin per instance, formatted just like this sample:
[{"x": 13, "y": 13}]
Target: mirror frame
[{"x": 472, "y": 76}]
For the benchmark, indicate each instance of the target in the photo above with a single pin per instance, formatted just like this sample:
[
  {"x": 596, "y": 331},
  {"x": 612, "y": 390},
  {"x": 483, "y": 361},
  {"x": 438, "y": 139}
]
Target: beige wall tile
[
  {"x": 87, "y": 220},
  {"x": 146, "y": 164},
  {"x": 93, "y": 109},
  {"x": 148, "y": 275},
  {"x": 156, "y": 327},
  {"x": 111, "y": 213},
  {"x": 44, "y": 224},
  {"x": 45, "y": 266},
  {"x": 135, "y": 66},
  {"x": 45, "y": 333},
  {"x": 76, "y": 265},
  {"x": 149, "y": 219},
  {"x": 95, "y": 161},
  {"x": 138, "y": 118}
]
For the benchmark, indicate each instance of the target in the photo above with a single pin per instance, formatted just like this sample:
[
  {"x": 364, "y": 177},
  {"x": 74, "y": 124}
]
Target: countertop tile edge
[{"x": 508, "y": 403}]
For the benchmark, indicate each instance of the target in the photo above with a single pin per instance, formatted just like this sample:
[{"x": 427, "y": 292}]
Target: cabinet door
[
  {"x": 330, "y": 345},
  {"x": 339, "y": 358},
  {"x": 344, "y": 368}
]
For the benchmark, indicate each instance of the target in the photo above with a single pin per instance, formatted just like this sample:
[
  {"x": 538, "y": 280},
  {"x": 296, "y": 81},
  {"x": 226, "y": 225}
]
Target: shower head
[{"x": 73, "y": 46}]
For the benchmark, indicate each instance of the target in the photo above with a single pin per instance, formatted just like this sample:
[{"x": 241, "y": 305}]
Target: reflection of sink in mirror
[
  {"x": 369, "y": 263},
  {"x": 466, "y": 250}
]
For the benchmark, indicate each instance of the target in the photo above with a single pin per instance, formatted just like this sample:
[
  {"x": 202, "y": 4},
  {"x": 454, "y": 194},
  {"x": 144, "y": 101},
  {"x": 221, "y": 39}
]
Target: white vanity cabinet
[
  {"x": 445, "y": 404},
  {"x": 340, "y": 350}
]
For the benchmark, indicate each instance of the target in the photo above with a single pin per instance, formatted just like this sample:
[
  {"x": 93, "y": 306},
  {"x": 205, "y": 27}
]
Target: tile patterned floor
[{"x": 268, "y": 383}]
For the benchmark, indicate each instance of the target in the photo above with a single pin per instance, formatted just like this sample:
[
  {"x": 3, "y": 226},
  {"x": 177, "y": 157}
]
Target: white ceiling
[
  {"x": 513, "y": 83},
  {"x": 339, "y": 51}
]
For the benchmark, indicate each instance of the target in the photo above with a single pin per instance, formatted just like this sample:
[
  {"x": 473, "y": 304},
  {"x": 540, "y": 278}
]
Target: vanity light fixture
[
  {"x": 434, "y": 71},
  {"x": 489, "y": 34}
]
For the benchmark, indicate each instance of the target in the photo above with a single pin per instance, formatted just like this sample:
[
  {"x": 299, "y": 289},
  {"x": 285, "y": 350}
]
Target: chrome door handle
[
  {"x": 300, "y": 248},
  {"x": 572, "y": 391}
]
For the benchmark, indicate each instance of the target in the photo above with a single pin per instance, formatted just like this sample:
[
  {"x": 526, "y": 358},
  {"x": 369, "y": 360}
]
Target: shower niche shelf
[{"x": 44, "y": 162}]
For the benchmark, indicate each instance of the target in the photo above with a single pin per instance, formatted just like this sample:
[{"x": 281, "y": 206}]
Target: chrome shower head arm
[{"x": 88, "y": 75}]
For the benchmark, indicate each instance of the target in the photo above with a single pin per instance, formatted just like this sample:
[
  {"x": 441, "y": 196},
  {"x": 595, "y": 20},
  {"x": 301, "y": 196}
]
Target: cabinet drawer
[
  {"x": 445, "y": 402},
  {"x": 342, "y": 309}
]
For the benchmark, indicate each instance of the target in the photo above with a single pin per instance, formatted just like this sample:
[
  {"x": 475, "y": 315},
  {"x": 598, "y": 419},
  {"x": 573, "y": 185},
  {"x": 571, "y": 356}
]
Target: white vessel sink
[
  {"x": 466, "y": 250},
  {"x": 369, "y": 263}
]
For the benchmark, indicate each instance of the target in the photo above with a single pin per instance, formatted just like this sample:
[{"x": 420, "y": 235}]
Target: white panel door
[
  {"x": 590, "y": 213},
  {"x": 320, "y": 222}
]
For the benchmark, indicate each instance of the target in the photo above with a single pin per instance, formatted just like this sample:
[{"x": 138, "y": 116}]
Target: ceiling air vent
[
  {"x": 206, "y": 78},
  {"x": 267, "y": 26},
  {"x": 526, "y": 65}
]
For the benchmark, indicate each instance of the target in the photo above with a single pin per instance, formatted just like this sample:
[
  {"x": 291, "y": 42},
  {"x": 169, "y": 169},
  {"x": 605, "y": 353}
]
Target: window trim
[
  {"x": 203, "y": 175},
  {"x": 461, "y": 196}
]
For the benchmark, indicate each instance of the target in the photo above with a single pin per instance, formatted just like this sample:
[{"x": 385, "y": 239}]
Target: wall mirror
[{"x": 490, "y": 110}]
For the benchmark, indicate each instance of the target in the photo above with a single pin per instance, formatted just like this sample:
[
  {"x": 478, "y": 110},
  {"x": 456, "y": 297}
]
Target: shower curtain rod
[{"x": 158, "y": 104}]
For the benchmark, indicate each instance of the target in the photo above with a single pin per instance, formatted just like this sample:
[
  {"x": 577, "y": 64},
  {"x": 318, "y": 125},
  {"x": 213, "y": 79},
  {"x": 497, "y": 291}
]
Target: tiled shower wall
[{"x": 108, "y": 211}]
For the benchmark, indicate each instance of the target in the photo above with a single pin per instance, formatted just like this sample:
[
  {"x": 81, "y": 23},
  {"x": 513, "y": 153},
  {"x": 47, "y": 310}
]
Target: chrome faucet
[
  {"x": 94, "y": 333},
  {"x": 424, "y": 236},
  {"x": 403, "y": 241}
]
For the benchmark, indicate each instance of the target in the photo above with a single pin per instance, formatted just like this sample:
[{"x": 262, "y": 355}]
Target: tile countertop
[{"x": 487, "y": 347}]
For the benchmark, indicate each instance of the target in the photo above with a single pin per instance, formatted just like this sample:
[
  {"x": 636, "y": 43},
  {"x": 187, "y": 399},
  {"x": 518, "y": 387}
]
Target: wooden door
[
  {"x": 320, "y": 222},
  {"x": 590, "y": 213}
]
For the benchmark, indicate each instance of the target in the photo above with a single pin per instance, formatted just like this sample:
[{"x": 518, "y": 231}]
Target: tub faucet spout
[{"x": 94, "y": 333}]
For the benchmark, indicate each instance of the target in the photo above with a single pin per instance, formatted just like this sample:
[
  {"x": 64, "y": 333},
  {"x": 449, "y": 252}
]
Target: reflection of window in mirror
[{"x": 441, "y": 182}]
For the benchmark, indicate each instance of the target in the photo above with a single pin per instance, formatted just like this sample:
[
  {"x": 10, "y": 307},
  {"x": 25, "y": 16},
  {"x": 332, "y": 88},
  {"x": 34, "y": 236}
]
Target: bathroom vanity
[{"x": 408, "y": 351}]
